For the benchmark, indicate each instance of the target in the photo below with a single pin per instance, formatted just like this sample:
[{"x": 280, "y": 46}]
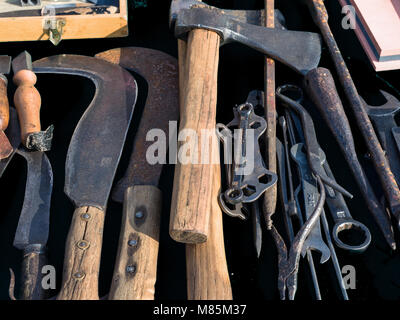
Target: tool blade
[
  {"x": 33, "y": 225},
  {"x": 5, "y": 64},
  {"x": 22, "y": 62},
  {"x": 96, "y": 145},
  {"x": 160, "y": 70}
]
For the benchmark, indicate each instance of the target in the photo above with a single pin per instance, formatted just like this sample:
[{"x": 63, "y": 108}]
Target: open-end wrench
[
  {"x": 383, "y": 119},
  {"x": 310, "y": 193}
]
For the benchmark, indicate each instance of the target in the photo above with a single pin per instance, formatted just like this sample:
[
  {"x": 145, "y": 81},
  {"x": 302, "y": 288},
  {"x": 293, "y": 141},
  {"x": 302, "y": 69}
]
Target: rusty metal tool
[
  {"x": 135, "y": 270},
  {"x": 92, "y": 160},
  {"x": 312, "y": 145},
  {"x": 5, "y": 146},
  {"x": 383, "y": 119},
  {"x": 310, "y": 194},
  {"x": 388, "y": 181},
  {"x": 343, "y": 220},
  {"x": 321, "y": 88},
  {"x": 33, "y": 227},
  {"x": 205, "y": 27},
  {"x": 27, "y": 101}
]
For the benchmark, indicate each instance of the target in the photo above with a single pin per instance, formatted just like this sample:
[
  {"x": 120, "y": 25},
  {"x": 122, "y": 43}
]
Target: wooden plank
[
  {"x": 370, "y": 50},
  {"x": 77, "y": 27}
]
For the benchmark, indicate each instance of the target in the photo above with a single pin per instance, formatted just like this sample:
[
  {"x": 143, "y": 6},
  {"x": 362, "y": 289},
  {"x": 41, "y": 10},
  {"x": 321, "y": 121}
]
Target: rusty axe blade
[
  {"x": 138, "y": 188},
  {"x": 300, "y": 51},
  {"x": 92, "y": 160}
]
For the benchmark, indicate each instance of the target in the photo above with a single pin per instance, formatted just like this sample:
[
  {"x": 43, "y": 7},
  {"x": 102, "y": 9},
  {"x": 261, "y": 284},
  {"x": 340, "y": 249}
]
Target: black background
[{"x": 241, "y": 70}]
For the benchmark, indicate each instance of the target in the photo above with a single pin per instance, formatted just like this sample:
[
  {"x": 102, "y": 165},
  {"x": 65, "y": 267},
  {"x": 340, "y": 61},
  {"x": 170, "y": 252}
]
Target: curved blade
[
  {"x": 160, "y": 70},
  {"x": 97, "y": 143},
  {"x": 33, "y": 225}
]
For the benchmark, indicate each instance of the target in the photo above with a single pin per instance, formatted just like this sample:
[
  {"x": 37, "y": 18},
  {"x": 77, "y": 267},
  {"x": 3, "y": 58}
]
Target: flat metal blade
[
  {"x": 160, "y": 70},
  {"x": 5, "y": 64},
  {"x": 96, "y": 145},
  {"x": 22, "y": 62},
  {"x": 33, "y": 225}
]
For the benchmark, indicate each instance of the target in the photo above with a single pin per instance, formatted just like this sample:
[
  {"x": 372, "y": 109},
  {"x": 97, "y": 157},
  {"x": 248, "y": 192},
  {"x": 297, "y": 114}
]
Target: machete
[
  {"x": 33, "y": 226},
  {"x": 93, "y": 156},
  {"x": 135, "y": 270}
]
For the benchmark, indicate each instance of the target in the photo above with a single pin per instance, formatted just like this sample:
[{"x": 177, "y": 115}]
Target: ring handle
[{"x": 351, "y": 224}]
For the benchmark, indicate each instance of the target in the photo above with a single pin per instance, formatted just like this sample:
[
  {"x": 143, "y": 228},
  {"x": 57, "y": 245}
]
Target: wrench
[
  {"x": 383, "y": 119},
  {"x": 310, "y": 194},
  {"x": 342, "y": 218}
]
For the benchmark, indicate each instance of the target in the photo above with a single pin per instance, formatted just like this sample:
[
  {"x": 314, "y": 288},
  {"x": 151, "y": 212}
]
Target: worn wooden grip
[
  {"x": 4, "y": 105},
  {"x": 206, "y": 267},
  {"x": 31, "y": 282},
  {"x": 191, "y": 200},
  {"x": 135, "y": 270},
  {"x": 82, "y": 255},
  {"x": 27, "y": 102}
]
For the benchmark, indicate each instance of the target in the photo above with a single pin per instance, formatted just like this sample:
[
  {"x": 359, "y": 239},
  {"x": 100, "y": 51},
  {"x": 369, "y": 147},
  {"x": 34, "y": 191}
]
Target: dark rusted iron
[
  {"x": 97, "y": 143},
  {"x": 312, "y": 145},
  {"x": 160, "y": 70},
  {"x": 322, "y": 90},
  {"x": 388, "y": 181}
]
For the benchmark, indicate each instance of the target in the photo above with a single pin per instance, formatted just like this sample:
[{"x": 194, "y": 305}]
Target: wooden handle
[
  {"x": 4, "y": 105},
  {"x": 206, "y": 267},
  {"x": 191, "y": 200},
  {"x": 27, "y": 102},
  {"x": 31, "y": 284},
  {"x": 82, "y": 255},
  {"x": 135, "y": 270}
]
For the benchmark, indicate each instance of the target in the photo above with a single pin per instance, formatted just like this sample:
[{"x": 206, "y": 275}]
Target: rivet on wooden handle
[
  {"x": 135, "y": 270},
  {"x": 82, "y": 255},
  {"x": 191, "y": 200}
]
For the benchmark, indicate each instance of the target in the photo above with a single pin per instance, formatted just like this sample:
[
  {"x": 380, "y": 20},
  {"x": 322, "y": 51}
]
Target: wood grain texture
[
  {"x": 27, "y": 101},
  {"x": 191, "y": 200},
  {"x": 206, "y": 267},
  {"x": 4, "y": 105},
  {"x": 82, "y": 255},
  {"x": 135, "y": 270},
  {"x": 271, "y": 195}
]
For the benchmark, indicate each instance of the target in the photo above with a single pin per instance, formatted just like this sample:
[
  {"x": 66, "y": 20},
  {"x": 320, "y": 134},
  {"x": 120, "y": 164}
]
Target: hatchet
[{"x": 205, "y": 28}]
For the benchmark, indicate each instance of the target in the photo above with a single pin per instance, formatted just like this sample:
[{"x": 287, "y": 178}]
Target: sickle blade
[
  {"x": 33, "y": 225},
  {"x": 97, "y": 143}
]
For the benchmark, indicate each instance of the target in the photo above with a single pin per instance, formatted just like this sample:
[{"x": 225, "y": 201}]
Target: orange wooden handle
[
  {"x": 27, "y": 102},
  {"x": 4, "y": 105}
]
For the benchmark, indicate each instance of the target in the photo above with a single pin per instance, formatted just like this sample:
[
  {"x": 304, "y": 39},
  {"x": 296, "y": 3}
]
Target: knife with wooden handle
[{"x": 135, "y": 270}]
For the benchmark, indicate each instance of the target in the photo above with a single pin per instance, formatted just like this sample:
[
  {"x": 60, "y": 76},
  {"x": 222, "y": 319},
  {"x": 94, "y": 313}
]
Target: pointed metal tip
[{"x": 22, "y": 62}]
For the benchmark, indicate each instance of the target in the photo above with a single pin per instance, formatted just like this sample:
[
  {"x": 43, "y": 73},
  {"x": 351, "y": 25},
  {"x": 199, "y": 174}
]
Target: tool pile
[{"x": 275, "y": 170}]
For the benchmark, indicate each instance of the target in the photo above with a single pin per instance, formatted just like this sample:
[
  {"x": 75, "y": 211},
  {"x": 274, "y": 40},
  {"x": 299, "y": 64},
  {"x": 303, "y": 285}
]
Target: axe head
[
  {"x": 301, "y": 51},
  {"x": 5, "y": 64}
]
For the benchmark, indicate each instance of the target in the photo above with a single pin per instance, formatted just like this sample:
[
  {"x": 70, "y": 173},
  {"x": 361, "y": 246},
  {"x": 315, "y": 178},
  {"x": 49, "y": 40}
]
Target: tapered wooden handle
[
  {"x": 206, "y": 267},
  {"x": 191, "y": 200},
  {"x": 27, "y": 102},
  {"x": 31, "y": 284},
  {"x": 4, "y": 105},
  {"x": 135, "y": 271},
  {"x": 82, "y": 255}
]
